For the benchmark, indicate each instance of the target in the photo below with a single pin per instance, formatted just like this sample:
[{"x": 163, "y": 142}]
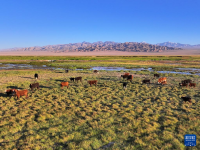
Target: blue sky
[{"x": 25, "y": 23}]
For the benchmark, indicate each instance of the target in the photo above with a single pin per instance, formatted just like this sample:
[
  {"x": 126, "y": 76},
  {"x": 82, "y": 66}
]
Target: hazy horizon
[{"x": 41, "y": 23}]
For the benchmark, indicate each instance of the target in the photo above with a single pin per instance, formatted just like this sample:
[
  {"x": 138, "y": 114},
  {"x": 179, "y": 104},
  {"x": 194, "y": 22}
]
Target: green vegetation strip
[
  {"x": 83, "y": 117},
  {"x": 99, "y": 57},
  {"x": 86, "y": 62}
]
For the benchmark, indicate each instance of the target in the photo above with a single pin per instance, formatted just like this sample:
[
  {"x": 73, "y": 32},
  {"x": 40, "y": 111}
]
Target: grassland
[
  {"x": 97, "y": 57},
  {"x": 83, "y": 117},
  {"x": 86, "y": 62}
]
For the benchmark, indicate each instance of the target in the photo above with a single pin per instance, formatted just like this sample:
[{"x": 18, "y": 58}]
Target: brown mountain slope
[{"x": 101, "y": 46}]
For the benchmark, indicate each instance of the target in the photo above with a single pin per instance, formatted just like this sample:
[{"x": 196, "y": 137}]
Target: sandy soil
[{"x": 184, "y": 52}]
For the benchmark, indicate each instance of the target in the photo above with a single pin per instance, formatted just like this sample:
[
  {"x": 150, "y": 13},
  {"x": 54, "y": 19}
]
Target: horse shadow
[
  {"x": 60, "y": 80},
  {"x": 104, "y": 78},
  {"x": 28, "y": 77},
  {"x": 13, "y": 87},
  {"x": 46, "y": 87},
  {"x": 149, "y": 83},
  {"x": 3, "y": 95}
]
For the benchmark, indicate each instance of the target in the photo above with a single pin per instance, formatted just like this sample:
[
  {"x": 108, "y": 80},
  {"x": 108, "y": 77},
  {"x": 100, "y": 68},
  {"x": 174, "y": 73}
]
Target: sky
[{"x": 27, "y": 23}]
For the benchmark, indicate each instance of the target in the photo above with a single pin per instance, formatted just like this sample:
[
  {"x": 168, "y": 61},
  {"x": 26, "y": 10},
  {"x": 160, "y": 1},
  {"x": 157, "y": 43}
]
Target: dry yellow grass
[{"x": 83, "y": 117}]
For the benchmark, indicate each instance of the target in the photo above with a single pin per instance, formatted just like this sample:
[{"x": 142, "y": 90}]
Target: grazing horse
[
  {"x": 78, "y": 78},
  {"x": 156, "y": 75},
  {"x": 66, "y": 71},
  {"x": 186, "y": 81},
  {"x": 96, "y": 71},
  {"x": 192, "y": 85},
  {"x": 92, "y": 82},
  {"x": 164, "y": 82},
  {"x": 64, "y": 84},
  {"x": 124, "y": 76},
  {"x": 162, "y": 79},
  {"x": 146, "y": 81},
  {"x": 183, "y": 84},
  {"x": 19, "y": 93},
  {"x": 10, "y": 92},
  {"x": 185, "y": 99},
  {"x": 127, "y": 73},
  {"x": 36, "y": 76},
  {"x": 125, "y": 85},
  {"x": 72, "y": 79},
  {"x": 130, "y": 78},
  {"x": 34, "y": 85}
]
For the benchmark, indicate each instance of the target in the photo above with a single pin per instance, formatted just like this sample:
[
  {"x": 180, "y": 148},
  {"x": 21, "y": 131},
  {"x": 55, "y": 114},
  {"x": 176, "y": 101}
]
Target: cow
[
  {"x": 34, "y": 85},
  {"x": 10, "y": 92},
  {"x": 93, "y": 82},
  {"x": 156, "y": 75},
  {"x": 64, "y": 84},
  {"x": 130, "y": 78},
  {"x": 66, "y": 71},
  {"x": 96, "y": 71},
  {"x": 185, "y": 99},
  {"x": 72, "y": 79},
  {"x": 183, "y": 84},
  {"x": 164, "y": 82},
  {"x": 192, "y": 84},
  {"x": 36, "y": 76},
  {"x": 186, "y": 81},
  {"x": 78, "y": 78},
  {"x": 19, "y": 93},
  {"x": 146, "y": 81},
  {"x": 125, "y": 85},
  {"x": 162, "y": 79}
]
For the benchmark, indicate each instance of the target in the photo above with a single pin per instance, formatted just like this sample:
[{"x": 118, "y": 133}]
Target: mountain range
[
  {"x": 178, "y": 45},
  {"x": 99, "y": 46}
]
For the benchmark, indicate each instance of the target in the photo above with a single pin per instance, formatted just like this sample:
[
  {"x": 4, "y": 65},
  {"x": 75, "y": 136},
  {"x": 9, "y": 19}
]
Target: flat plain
[
  {"x": 142, "y": 116},
  {"x": 184, "y": 52}
]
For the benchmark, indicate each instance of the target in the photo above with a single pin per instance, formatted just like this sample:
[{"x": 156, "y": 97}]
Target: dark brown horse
[
  {"x": 93, "y": 82},
  {"x": 78, "y": 78}
]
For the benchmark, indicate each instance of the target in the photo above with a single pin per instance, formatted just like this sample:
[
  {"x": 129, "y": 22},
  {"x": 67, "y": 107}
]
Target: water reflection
[
  {"x": 189, "y": 69},
  {"x": 119, "y": 68},
  {"x": 174, "y": 72}
]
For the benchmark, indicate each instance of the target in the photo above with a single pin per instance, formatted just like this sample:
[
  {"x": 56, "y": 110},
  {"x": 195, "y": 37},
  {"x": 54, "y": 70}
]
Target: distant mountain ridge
[
  {"x": 100, "y": 46},
  {"x": 178, "y": 45}
]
